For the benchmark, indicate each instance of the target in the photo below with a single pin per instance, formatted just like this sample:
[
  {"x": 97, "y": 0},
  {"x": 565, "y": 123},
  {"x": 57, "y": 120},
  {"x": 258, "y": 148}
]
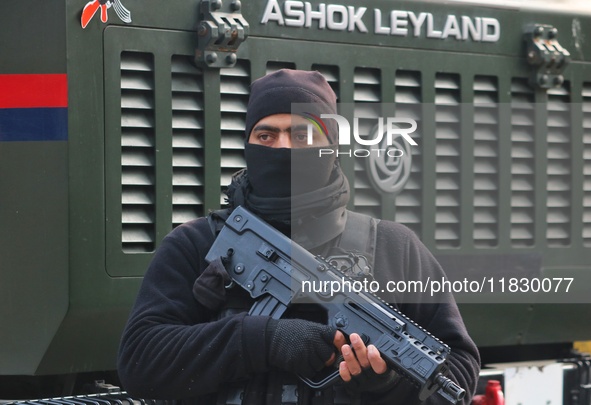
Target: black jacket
[{"x": 173, "y": 347}]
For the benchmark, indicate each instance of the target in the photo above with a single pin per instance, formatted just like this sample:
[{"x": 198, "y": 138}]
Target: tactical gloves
[{"x": 299, "y": 346}]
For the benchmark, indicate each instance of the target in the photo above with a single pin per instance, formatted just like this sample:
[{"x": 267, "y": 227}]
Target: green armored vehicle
[{"x": 121, "y": 119}]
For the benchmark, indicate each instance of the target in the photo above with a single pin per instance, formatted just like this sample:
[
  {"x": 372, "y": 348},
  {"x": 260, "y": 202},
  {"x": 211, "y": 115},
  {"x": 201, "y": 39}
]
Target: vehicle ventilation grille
[
  {"x": 367, "y": 85},
  {"x": 366, "y": 96},
  {"x": 486, "y": 161},
  {"x": 137, "y": 152},
  {"x": 234, "y": 91},
  {"x": 447, "y": 167},
  {"x": 559, "y": 170},
  {"x": 587, "y": 164},
  {"x": 331, "y": 74},
  {"x": 187, "y": 141},
  {"x": 275, "y": 66},
  {"x": 522, "y": 163},
  {"x": 408, "y": 100}
]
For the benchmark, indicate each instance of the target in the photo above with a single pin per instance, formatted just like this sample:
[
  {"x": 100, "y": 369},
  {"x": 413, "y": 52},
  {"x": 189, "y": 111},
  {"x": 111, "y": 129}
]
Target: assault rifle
[{"x": 274, "y": 269}]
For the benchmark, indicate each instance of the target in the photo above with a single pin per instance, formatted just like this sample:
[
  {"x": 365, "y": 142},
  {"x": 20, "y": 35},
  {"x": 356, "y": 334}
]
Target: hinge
[
  {"x": 546, "y": 56},
  {"x": 220, "y": 32}
]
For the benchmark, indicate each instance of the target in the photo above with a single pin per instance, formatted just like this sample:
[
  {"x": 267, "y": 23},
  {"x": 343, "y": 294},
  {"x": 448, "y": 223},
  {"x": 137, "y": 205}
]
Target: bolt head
[
  {"x": 543, "y": 80},
  {"x": 231, "y": 59},
  {"x": 211, "y": 58},
  {"x": 531, "y": 55},
  {"x": 202, "y": 30}
]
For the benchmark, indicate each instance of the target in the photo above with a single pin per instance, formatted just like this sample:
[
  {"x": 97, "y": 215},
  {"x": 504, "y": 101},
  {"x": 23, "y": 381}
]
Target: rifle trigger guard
[{"x": 326, "y": 382}]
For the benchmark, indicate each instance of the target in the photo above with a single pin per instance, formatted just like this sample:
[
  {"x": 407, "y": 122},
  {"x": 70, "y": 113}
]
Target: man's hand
[
  {"x": 299, "y": 346},
  {"x": 358, "y": 357}
]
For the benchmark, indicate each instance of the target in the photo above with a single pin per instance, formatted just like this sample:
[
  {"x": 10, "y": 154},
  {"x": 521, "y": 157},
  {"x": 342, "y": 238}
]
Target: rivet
[
  {"x": 211, "y": 57},
  {"x": 231, "y": 59}
]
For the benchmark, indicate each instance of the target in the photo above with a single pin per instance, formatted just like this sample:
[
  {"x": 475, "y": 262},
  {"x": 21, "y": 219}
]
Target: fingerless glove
[{"x": 299, "y": 346}]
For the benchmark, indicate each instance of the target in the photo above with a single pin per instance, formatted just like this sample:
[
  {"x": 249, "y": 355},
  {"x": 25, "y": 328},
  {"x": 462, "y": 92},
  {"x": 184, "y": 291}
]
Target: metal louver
[
  {"x": 587, "y": 164},
  {"x": 275, "y": 66},
  {"x": 137, "y": 152},
  {"x": 331, "y": 74},
  {"x": 486, "y": 161},
  {"x": 187, "y": 140},
  {"x": 559, "y": 172},
  {"x": 522, "y": 164},
  {"x": 234, "y": 92},
  {"x": 366, "y": 95},
  {"x": 408, "y": 105},
  {"x": 448, "y": 165}
]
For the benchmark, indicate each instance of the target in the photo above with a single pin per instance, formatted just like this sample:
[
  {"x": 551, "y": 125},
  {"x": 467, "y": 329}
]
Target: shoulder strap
[
  {"x": 216, "y": 220},
  {"x": 360, "y": 233},
  {"x": 360, "y": 236}
]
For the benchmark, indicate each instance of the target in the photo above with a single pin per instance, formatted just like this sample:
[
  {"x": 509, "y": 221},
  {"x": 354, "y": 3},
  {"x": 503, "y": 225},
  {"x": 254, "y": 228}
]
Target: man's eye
[{"x": 300, "y": 137}]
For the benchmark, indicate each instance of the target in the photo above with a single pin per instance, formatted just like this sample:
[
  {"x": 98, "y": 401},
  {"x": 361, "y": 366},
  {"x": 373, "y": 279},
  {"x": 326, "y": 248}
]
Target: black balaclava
[
  {"x": 276, "y": 92},
  {"x": 297, "y": 191},
  {"x": 286, "y": 172}
]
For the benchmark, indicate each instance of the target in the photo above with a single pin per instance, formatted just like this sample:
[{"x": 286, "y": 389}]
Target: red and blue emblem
[
  {"x": 93, "y": 6},
  {"x": 33, "y": 107}
]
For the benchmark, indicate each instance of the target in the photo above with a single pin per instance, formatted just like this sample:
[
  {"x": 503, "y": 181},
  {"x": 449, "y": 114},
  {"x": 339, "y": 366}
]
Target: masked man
[{"x": 190, "y": 339}]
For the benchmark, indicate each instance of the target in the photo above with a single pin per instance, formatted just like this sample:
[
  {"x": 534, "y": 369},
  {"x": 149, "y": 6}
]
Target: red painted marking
[
  {"x": 34, "y": 90},
  {"x": 88, "y": 12}
]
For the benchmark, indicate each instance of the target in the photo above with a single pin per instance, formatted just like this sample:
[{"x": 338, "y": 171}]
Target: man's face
[{"x": 285, "y": 131}]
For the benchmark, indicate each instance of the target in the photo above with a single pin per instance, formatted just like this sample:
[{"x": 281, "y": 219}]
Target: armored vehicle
[{"x": 120, "y": 119}]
